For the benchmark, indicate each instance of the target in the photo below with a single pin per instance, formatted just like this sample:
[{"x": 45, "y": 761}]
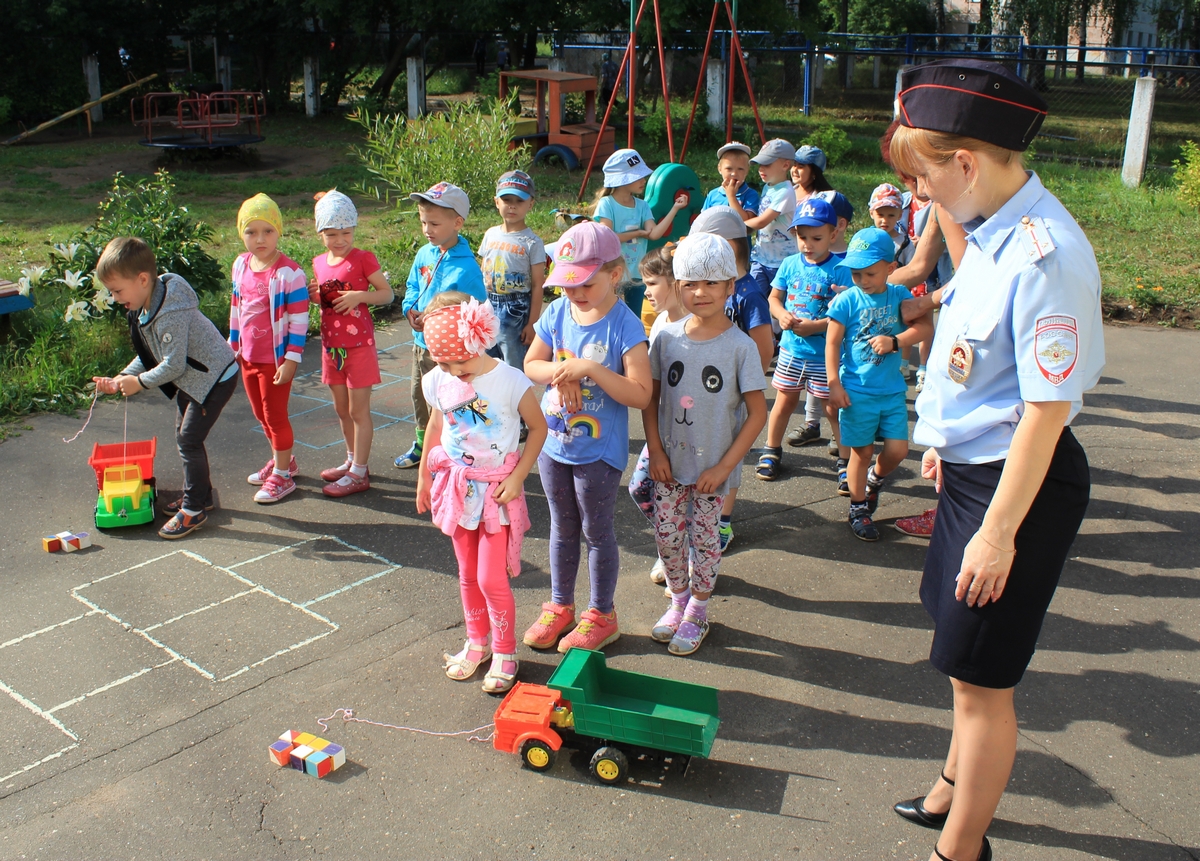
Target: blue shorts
[
  {"x": 793, "y": 374},
  {"x": 869, "y": 416},
  {"x": 512, "y": 310}
]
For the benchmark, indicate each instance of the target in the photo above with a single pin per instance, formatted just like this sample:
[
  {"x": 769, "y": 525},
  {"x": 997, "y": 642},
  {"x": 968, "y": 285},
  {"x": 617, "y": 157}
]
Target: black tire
[
  {"x": 557, "y": 151},
  {"x": 609, "y": 766},
  {"x": 537, "y": 755}
]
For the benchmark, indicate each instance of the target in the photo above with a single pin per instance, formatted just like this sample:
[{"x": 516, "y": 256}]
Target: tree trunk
[
  {"x": 1085, "y": 12},
  {"x": 843, "y": 27},
  {"x": 529, "y": 54},
  {"x": 382, "y": 88}
]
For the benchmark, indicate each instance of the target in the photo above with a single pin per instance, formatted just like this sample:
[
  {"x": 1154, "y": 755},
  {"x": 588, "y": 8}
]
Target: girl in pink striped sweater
[{"x": 268, "y": 320}]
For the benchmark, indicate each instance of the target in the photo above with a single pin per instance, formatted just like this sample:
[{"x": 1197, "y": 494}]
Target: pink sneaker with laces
[
  {"x": 275, "y": 488},
  {"x": 260, "y": 477},
  {"x": 594, "y": 631}
]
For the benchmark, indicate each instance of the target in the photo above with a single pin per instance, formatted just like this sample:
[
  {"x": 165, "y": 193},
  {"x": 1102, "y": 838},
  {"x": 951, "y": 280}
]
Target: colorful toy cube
[
  {"x": 318, "y": 764},
  {"x": 51, "y": 543},
  {"x": 305, "y": 738},
  {"x": 85, "y": 540},
  {"x": 281, "y": 752},
  {"x": 337, "y": 753},
  {"x": 298, "y": 755},
  {"x": 290, "y": 736}
]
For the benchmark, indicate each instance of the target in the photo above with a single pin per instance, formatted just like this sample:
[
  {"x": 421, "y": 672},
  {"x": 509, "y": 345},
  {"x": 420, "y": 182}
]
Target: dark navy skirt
[{"x": 990, "y": 646}]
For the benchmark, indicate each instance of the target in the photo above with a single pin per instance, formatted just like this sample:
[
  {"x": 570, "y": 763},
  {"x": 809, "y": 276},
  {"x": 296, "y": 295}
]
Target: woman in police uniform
[{"x": 1018, "y": 342}]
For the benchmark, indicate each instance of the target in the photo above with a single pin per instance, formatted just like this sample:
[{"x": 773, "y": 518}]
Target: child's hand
[
  {"x": 931, "y": 468},
  {"x": 347, "y": 300},
  {"x": 711, "y": 479},
  {"x": 881, "y": 344},
  {"x": 105, "y": 385},
  {"x": 285, "y": 372},
  {"x": 837, "y": 395},
  {"x": 572, "y": 370},
  {"x": 660, "y": 467},
  {"x": 570, "y": 395},
  {"x": 681, "y": 200},
  {"x": 786, "y": 320},
  {"x": 508, "y": 490},
  {"x": 127, "y": 384},
  {"x": 528, "y": 334},
  {"x": 424, "y": 499},
  {"x": 731, "y": 184},
  {"x": 414, "y": 320},
  {"x": 314, "y": 290}
]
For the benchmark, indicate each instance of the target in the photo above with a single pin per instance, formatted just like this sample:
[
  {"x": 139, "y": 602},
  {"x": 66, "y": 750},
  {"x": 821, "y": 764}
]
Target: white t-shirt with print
[{"x": 774, "y": 243}]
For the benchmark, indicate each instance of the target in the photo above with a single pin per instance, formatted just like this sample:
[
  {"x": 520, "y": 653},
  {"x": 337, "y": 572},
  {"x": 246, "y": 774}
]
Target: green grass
[{"x": 1144, "y": 238}]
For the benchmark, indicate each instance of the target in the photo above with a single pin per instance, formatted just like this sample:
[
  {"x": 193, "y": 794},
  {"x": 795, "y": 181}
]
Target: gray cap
[
  {"x": 773, "y": 150},
  {"x": 720, "y": 221},
  {"x": 733, "y": 146},
  {"x": 447, "y": 195}
]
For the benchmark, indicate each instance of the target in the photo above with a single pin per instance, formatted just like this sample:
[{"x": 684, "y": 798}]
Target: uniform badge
[
  {"x": 1035, "y": 238},
  {"x": 962, "y": 356},
  {"x": 1056, "y": 347},
  {"x": 166, "y": 338}
]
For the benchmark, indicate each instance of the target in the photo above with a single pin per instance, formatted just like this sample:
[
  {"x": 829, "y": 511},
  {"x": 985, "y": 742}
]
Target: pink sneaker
[
  {"x": 595, "y": 631},
  {"x": 555, "y": 618},
  {"x": 347, "y": 484},
  {"x": 260, "y": 477},
  {"x": 274, "y": 489},
  {"x": 920, "y": 526}
]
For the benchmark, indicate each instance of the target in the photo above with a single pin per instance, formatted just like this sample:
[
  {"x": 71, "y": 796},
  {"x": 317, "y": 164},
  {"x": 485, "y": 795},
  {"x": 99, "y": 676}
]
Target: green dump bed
[{"x": 662, "y": 714}]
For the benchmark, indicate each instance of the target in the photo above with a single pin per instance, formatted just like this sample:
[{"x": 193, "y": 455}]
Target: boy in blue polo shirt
[
  {"x": 733, "y": 164},
  {"x": 800, "y": 295},
  {"x": 863, "y": 345}
]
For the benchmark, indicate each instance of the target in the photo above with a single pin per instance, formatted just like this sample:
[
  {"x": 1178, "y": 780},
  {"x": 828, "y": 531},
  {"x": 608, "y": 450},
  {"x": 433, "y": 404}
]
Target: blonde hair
[
  {"x": 445, "y": 299},
  {"x": 126, "y": 257},
  {"x": 910, "y": 150},
  {"x": 601, "y": 194}
]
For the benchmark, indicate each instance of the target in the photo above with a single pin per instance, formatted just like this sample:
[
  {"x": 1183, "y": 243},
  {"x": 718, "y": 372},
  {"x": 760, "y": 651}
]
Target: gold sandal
[
  {"x": 461, "y": 667},
  {"x": 497, "y": 681}
]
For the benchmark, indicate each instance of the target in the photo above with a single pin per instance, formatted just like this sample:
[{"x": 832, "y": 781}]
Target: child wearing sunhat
[
  {"x": 865, "y": 337},
  {"x": 268, "y": 321},
  {"x": 346, "y": 280},
  {"x": 446, "y": 263}
]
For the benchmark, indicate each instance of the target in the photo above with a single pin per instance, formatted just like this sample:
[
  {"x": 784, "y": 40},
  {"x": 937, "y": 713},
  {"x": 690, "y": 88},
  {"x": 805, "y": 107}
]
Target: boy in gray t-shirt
[
  {"x": 706, "y": 409},
  {"x": 513, "y": 260}
]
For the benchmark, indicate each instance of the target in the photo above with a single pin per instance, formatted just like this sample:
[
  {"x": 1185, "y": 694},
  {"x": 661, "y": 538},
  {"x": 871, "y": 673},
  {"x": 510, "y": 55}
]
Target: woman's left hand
[{"x": 984, "y": 572}]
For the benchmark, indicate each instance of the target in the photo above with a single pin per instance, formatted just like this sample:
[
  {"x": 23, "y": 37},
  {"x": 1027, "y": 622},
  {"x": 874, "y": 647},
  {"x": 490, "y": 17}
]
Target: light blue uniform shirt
[{"x": 1033, "y": 322}]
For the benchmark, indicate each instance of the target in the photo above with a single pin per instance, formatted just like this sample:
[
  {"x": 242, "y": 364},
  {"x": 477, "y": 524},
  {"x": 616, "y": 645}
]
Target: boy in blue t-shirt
[
  {"x": 733, "y": 164},
  {"x": 800, "y": 296},
  {"x": 863, "y": 344}
]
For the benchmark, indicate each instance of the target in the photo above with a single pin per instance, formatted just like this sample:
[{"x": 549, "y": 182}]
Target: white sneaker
[
  {"x": 920, "y": 381},
  {"x": 658, "y": 574}
]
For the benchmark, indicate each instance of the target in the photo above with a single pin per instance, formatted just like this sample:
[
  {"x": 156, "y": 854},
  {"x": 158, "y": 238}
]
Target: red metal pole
[
  {"x": 729, "y": 98},
  {"x": 662, "y": 71},
  {"x": 746, "y": 73},
  {"x": 633, "y": 73},
  {"x": 612, "y": 100},
  {"x": 712, "y": 25}
]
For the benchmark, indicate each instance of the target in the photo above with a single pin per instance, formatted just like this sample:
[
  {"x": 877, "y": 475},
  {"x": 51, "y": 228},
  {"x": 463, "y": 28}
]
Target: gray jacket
[{"x": 188, "y": 350}]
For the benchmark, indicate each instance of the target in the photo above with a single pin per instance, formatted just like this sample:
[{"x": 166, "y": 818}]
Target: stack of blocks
[
  {"x": 68, "y": 541},
  {"x": 305, "y": 752}
]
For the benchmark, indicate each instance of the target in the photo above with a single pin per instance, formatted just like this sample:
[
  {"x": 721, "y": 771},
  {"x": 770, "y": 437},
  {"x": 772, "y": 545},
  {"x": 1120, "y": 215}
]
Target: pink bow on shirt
[{"x": 449, "y": 493}]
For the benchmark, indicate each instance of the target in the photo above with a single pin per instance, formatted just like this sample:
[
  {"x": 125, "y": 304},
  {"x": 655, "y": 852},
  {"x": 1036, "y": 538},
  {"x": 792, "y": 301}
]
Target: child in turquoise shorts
[{"x": 863, "y": 345}]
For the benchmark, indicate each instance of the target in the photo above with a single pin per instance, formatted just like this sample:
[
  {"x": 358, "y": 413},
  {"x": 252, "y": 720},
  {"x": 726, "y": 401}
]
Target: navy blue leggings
[{"x": 583, "y": 500}]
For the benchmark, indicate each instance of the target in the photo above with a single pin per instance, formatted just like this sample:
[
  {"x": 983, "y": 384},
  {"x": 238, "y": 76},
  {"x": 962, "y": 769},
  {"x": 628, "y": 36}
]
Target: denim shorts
[{"x": 512, "y": 309}]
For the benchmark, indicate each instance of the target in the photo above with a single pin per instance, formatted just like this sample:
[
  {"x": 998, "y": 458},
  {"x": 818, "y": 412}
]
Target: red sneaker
[
  {"x": 920, "y": 526},
  {"x": 555, "y": 619},
  {"x": 594, "y": 631}
]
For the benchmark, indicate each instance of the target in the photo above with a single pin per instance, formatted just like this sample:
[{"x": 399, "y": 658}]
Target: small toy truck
[
  {"x": 594, "y": 706},
  {"x": 125, "y": 480}
]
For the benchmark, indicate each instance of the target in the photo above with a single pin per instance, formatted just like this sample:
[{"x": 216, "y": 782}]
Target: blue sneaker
[
  {"x": 725, "y": 531},
  {"x": 410, "y": 459}
]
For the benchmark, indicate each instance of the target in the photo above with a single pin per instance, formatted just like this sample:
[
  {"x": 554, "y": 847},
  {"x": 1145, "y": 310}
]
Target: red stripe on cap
[{"x": 968, "y": 92}]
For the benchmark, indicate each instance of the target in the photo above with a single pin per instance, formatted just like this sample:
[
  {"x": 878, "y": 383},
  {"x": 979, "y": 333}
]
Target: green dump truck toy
[{"x": 587, "y": 704}]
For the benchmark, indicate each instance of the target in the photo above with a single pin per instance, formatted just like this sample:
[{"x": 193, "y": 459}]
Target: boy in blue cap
[
  {"x": 863, "y": 345},
  {"x": 513, "y": 260},
  {"x": 800, "y": 295}
]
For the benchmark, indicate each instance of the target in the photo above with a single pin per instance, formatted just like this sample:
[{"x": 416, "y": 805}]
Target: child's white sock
[
  {"x": 358, "y": 470},
  {"x": 282, "y": 473},
  {"x": 187, "y": 512}
]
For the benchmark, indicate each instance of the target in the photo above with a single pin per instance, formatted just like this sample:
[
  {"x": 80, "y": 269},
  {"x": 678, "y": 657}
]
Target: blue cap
[
  {"x": 809, "y": 154},
  {"x": 813, "y": 213},
  {"x": 841, "y": 205},
  {"x": 869, "y": 246},
  {"x": 515, "y": 182}
]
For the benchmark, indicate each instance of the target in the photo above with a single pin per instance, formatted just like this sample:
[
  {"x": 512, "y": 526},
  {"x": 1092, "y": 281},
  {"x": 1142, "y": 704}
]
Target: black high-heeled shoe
[
  {"x": 914, "y": 810},
  {"x": 985, "y": 854}
]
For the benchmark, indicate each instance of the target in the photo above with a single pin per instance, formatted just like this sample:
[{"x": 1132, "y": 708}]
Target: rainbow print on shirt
[{"x": 583, "y": 425}]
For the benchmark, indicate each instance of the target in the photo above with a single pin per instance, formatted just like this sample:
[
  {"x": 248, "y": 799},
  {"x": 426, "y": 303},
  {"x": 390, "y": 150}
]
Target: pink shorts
[{"x": 360, "y": 369}]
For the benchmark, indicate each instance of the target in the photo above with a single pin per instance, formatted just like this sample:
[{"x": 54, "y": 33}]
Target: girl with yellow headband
[{"x": 268, "y": 320}]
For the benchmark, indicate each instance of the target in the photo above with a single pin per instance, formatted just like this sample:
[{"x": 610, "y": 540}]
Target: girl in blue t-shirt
[
  {"x": 589, "y": 350},
  {"x": 619, "y": 207}
]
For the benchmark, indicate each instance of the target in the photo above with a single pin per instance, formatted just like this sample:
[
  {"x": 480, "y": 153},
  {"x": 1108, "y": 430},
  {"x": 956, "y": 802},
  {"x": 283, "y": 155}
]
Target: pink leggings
[{"x": 487, "y": 598}]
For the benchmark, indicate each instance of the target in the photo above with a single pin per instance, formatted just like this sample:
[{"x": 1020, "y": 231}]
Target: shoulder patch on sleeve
[
  {"x": 1035, "y": 238},
  {"x": 166, "y": 338},
  {"x": 1056, "y": 347}
]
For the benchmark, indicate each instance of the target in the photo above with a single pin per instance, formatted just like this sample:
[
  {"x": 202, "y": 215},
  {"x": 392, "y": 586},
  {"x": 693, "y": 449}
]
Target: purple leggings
[{"x": 582, "y": 499}]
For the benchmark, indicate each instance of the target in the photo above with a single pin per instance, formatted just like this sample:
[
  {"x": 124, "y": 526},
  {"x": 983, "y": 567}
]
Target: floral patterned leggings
[{"x": 686, "y": 519}]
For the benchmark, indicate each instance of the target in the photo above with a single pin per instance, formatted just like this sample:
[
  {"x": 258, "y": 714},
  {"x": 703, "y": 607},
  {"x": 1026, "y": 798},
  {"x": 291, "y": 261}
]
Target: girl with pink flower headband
[{"x": 473, "y": 476}]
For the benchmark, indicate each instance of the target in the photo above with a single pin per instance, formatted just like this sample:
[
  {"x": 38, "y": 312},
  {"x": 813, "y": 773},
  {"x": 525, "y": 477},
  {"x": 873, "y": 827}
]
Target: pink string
[
  {"x": 95, "y": 397},
  {"x": 349, "y": 717}
]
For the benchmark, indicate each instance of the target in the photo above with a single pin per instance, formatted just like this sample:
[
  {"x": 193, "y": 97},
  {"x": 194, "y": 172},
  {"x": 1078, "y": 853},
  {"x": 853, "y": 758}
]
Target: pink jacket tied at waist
[{"x": 449, "y": 493}]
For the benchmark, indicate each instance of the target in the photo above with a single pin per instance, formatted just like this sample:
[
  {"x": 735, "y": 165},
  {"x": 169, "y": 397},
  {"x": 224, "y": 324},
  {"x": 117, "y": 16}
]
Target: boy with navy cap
[
  {"x": 513, "y": 260},
  {"x": 862, "y": 357},
  {"x": 800, "y": 296}
]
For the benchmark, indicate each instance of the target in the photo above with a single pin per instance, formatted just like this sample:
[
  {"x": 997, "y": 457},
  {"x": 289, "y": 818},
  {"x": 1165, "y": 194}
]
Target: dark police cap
[{"x": 975, "y": 98}]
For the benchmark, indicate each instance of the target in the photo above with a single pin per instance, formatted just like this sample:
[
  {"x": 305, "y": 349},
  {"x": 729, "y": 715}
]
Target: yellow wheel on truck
[
  {"x": 609, "y": 765},
  {"x": 538, "y": 755}
]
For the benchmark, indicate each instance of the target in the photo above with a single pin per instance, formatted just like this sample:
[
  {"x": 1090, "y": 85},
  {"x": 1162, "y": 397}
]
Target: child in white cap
[
  {"x": 706, "y": 409},
  {"x": 733, "y": 165},
  {"x": 775, "y": 210},
  {"x": 619, "y": 206},
  {"x": 346, "y": 280}
]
